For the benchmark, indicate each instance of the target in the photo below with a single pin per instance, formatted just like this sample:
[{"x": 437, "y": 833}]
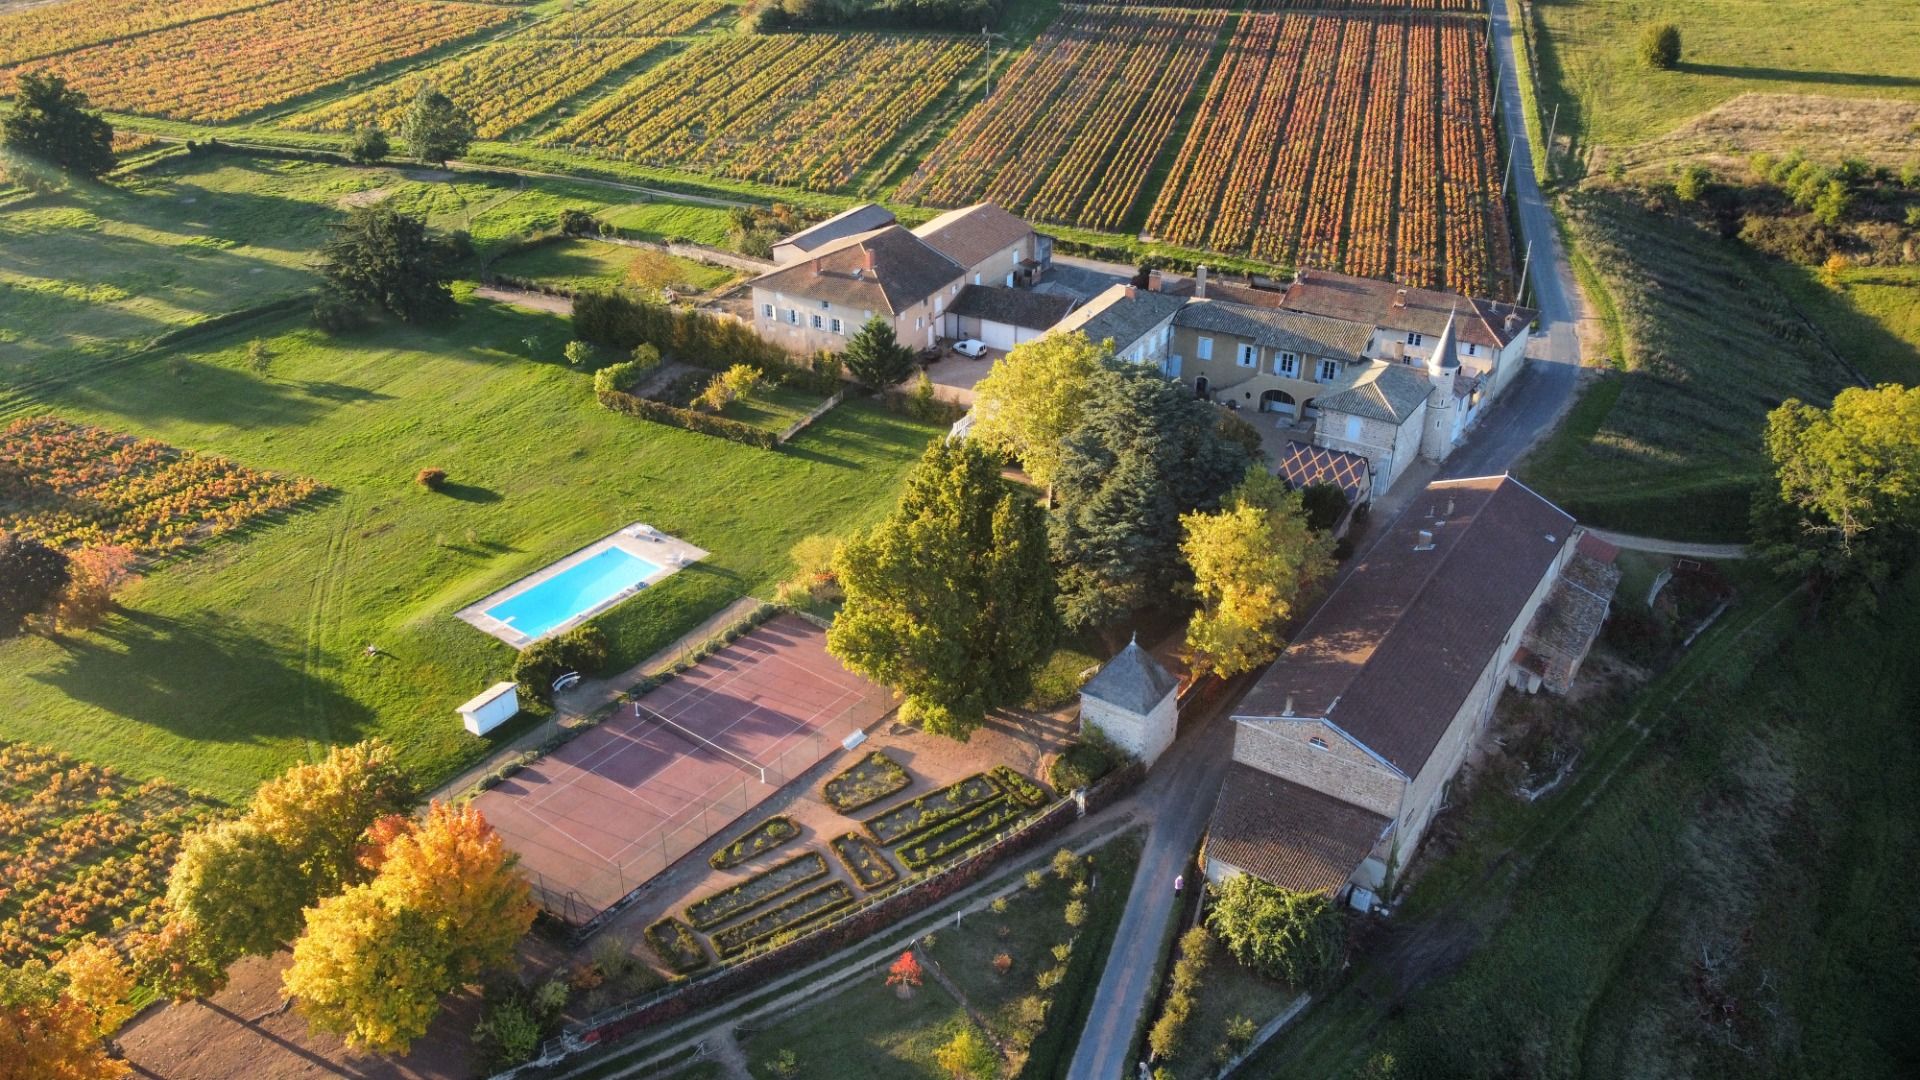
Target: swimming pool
[{"x": 581, "y": 589}]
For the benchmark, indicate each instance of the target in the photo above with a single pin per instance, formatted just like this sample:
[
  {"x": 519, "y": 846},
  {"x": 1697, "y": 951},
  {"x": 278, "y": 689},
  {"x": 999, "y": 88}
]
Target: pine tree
[
  {"x": 383, "y": 258},
  {"x": 875, "y": 357},
  {"x": 950, "y": 599},
  {"x": 50, "y": 123},
  {"x": 32, "y": 578},
  {"x": 436, "y": 128},
  {"x": 1146, "y": 452}
]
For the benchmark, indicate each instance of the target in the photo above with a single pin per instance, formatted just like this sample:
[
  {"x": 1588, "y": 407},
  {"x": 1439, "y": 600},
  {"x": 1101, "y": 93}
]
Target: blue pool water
[{"x": 576, "y": 589}]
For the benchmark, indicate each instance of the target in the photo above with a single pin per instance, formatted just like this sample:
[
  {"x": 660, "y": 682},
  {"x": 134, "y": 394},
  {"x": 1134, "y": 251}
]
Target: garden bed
[
  {"x": 756, "y": 890},
  {"x": 788, "y": 916},
  {"x": 677, "y": 946},
  {"x": 960, "y": 833},
  {"x": 865, "y": 861},
  {"x": 932, "y": 809},
  {"x": 866, "y": 782},
  {"x": 762, "y": 838},
  {"x": 1019, "y": 788}
]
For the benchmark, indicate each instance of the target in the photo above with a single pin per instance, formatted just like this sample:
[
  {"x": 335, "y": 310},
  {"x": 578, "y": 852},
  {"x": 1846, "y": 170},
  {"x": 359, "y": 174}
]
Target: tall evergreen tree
[
  {"x": 950, "y": 599},
  {"x": 50, "y": 123},
  {"x": 383, "y": 258},
  {"x": 32, "y": 578},
  {"x": 875, "y": 356},
  {"x": 1146, "y": 452}
]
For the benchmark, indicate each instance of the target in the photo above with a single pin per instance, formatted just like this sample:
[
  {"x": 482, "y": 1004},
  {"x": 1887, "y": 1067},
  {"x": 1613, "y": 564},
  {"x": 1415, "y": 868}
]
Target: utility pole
[
  {"x": 1554, "y": 123},
  {"x": 1507, "y": 173},
  {"x": 988, "y": 36},
  {"x": 1526, "y": 266}
]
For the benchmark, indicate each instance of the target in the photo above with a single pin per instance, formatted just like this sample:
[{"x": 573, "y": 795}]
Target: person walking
[{"x": 1179, "y": 882}]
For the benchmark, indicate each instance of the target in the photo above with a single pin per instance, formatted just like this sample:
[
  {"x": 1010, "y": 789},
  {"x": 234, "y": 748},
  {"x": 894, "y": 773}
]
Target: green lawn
[
  {"x": 1227, "y": 991},
  {"x": 585, "y": 264},
  {"x": 1671, "y": 444},
  {"x": 773, "y": 408},
  {"x": 1591, "y": 68},
  {"x": 1872, "y": 316},
  {"x": 864, "y": 1032},
  {"x": 224, "y": 668},
  {"x": 90, "y": 273}
]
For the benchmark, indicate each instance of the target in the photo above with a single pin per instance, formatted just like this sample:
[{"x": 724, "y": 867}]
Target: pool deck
[{"x": 638, "y": 539}]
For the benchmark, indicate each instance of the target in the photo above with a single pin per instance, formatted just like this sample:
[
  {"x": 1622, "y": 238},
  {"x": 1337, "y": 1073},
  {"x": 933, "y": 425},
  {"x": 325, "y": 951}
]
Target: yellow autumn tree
[
  {"x": 100, "y": 982},
  {"x": 446, "y": 905},
  {"x": 319, "y": 812},
  {"x": 47, "y": 1035},
  {"x": 1251, "y": 560},
  {"x": 1035, "y": 397}
]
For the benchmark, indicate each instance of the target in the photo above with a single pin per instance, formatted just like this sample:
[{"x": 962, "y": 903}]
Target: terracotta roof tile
[
  {"x": 904, "y": 272},
  {"x": 1396, "y": 307},
  {"x": 1288, "y": 835}
]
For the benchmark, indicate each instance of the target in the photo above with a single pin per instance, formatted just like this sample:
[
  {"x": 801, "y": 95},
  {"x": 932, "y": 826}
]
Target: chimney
[
  {"x": 1133, "y": 292},
  {"x": 866, "y": 258},
  {"x": 1426, "y": 541},
  {"x": 1200, "y": 282},
  {"x": 1287, "y": 709},
  {"x": 817, "y": 260},
  {"x": 1400, "y": 299},
  {"x": 1156, "y": 281}
]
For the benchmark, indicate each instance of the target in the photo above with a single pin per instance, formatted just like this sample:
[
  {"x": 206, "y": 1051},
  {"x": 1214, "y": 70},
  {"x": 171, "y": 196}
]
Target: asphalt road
[{"x": 1179, "y": 795}]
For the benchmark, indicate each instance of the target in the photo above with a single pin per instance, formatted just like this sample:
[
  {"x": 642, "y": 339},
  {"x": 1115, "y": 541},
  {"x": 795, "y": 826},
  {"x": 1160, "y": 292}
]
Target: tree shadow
[
  {"x": 470, "y": 493},
  {"x": 204, "y": 677},
  {"x": 1835, "y": 78},
  {"x": 341, "y": 393},
  {"x": 182, "y": 387}
]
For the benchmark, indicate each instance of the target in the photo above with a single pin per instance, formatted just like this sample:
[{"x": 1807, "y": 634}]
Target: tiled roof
[
  {"x": 1380, "y": 391},
  {"x": 1288, "y": 835},
  {"x": 863, "y": 218},
  {"x": 972, "y": 233},
  {"x": 904, "y": 271},
  {"x": 1310, "y": 335},
  {"x": 1570, "y": 617},
  {"x": 1133, "y": 681},
  {"x": 1301, "y": 465},
  {"x": 1396, "y": 307},
  {"x": 1115, "y": 316},
  {"x": 1015, "y": 307},
  {"x": 1392, "y": 654}
]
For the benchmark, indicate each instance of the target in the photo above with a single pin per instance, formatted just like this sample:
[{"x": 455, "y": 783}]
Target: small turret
[{"x": 1444, "y": 361}]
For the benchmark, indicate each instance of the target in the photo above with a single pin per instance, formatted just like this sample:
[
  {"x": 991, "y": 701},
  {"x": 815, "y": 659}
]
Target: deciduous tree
[
  {"x": 1147, "y": 452},
  {"x": 875, "y": 357},
  {"x": 968, "y": 1056},
  {"x": 45, "y": 1034},
  {"x": 1035, "y": 397},
  {"x": 100, "y": 981},
  {"x": 455, "y": 867},
  {"x": 950, "y": 599},
  {"x": 50, "y": 124},
  {"x": 1845, "y": 507},
  {"x": 239, "y": 889},
  {"x": 32, "y": 578},
  {"x": 383, "y": 258},
  {"x": 1251, "y": 561},
  {"x": 370, "y": 145},
  {"x": 320, "y": 812},
  {"x": 94, "y": 575},
  {"x": 904, "y": 974},
  {"x": 436, "y": 128},
  {"x": 1292, "y": 936}
]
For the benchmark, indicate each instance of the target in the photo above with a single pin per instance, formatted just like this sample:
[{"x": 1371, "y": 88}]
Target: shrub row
[
  {"x": 774, "y": 921},
  {"x": 961, "y": 833},
  {"x": 622, "y": 321},
  {"x": 1079, "y": 765},
  {"x": 676, "y": 945},
  {"x": 756, "y": 890},
  {"x": 1022, "y": 790},
  {"x": 1196, "y": 952},
  {"x": 765, "y": 836},
  {"x": 673, "y": 416},
  {"x": 865, "y": 861},
  {"x": 865, "y": 782},
  {"x": 932, "y": 809}
]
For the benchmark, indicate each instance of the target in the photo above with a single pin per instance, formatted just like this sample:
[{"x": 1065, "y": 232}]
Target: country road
[{"x": 1178, "y": 798}]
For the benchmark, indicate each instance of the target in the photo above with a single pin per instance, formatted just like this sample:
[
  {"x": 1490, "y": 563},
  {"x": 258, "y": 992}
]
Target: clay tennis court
[{"x": 598, "y": 817}]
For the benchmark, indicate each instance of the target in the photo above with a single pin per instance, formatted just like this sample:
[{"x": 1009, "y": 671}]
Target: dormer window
[
  {"x": 1413, "y": 338},
  {"x": 1318, "y": 743}
]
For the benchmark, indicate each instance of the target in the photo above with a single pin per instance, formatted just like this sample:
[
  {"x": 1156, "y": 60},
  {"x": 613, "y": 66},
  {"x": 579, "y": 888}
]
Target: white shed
[
  {"x": 494, "y": 706},
  {"x": 1134, "y": 701}
]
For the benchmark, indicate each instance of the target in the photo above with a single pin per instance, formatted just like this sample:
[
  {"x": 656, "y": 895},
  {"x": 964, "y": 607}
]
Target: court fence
[{"x": 917, "y": 893}]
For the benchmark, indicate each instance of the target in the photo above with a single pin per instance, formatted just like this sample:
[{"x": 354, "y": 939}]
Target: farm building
[{"x": 1346, "y": 747}]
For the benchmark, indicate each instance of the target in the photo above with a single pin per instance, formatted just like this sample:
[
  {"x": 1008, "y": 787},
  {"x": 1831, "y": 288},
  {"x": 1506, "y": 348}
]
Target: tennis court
[{"x": 598, "y": 817}]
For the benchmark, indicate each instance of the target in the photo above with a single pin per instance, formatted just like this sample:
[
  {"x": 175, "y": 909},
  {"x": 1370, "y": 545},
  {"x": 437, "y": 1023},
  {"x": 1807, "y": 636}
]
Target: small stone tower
[
  {"x": 1133, "y": 701},
  {"x": 1443, "y": 366}
]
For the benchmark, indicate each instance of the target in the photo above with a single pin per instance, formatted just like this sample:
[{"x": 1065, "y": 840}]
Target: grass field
[
  {"x": 224, "y": 668},
  {"x": 1591, "y": 70},
  {"x": 1871, "y": 316},
  {"x": 583, "y": 264},
  {"x": 1670, "y": 445},
  {"x": 99, "y": 270}
]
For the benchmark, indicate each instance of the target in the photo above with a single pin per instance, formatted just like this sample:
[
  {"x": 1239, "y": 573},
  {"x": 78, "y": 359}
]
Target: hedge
[
  {"x": 961, "y": 833},
  {"x": 676, "y": 945},
  {"x": 756, "y": 890},
  {"x": 864, "y": 860},
  {"x": 932, "y": 809},
  {"x": 705, "y": 424},
  {"x": 695, "y": 337},
  {"x": 1022, "y": 790},
  {"x": 778, "y": 920},
  {"x": 893, "y": 777},
  {"x": 765, "y": 836}
]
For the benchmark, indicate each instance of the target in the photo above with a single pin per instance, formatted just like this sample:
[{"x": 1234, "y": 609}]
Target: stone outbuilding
[{"x": 1134, "y": 701}]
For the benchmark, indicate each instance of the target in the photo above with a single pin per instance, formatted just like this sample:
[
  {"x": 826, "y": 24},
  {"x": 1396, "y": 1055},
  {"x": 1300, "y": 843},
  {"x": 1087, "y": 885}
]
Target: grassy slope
[
  {"x": 93, "y": 272},
  {"x": 1606, "y": 96},
  {"x": 582, "y": 264},
  {"x": 1872, "y": 316},
  {"x": 225, "y": 668},
  {"x": 1710, "y": 346}
]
